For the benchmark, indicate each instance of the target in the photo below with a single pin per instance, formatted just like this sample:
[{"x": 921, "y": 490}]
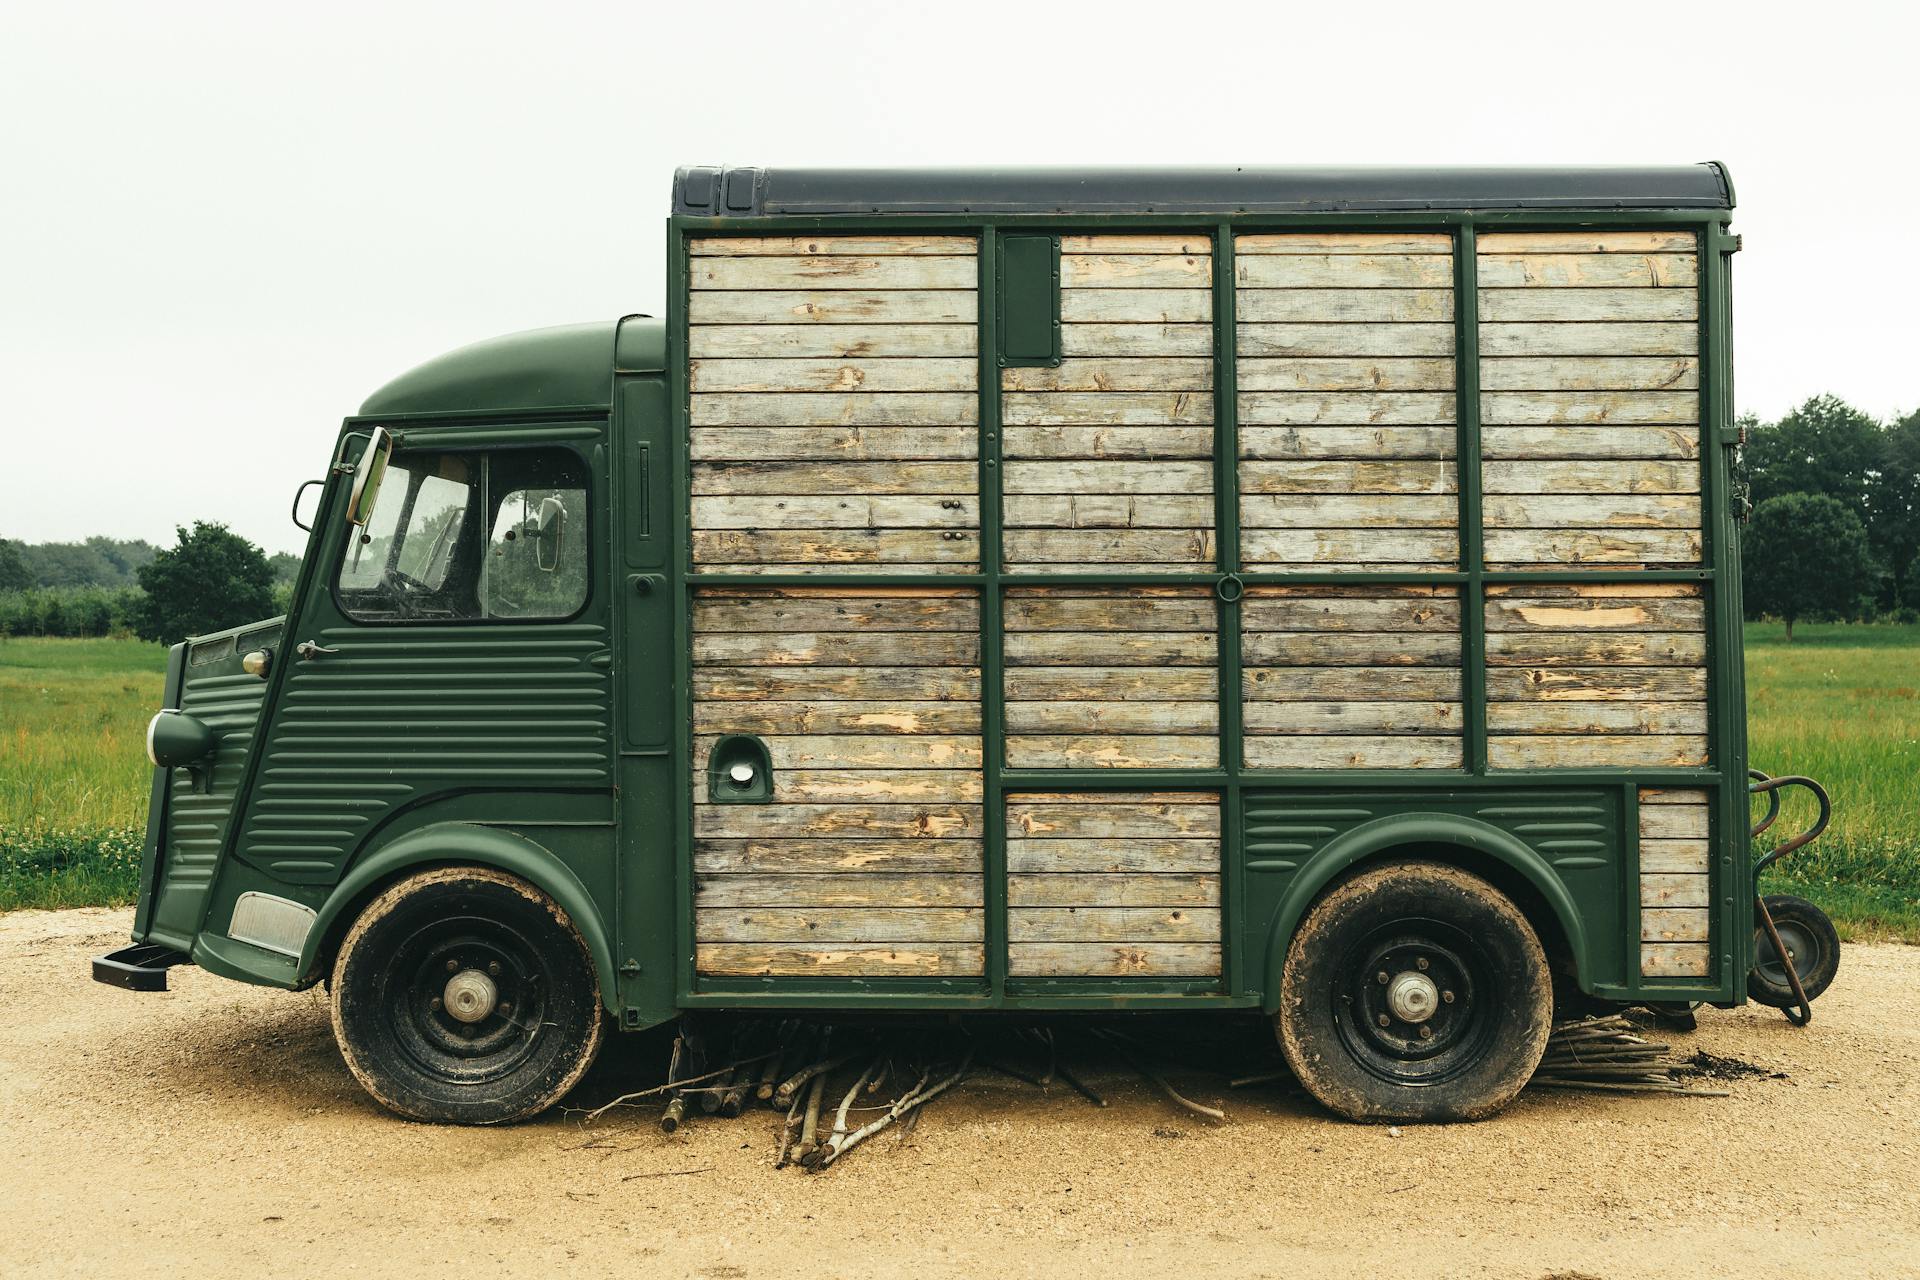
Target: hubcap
[
  {"x": 470, "y": 995},
  {"x": 1412, "y": 997}
]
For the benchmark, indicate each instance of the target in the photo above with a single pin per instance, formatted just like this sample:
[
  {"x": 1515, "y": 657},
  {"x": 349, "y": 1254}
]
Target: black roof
[{"x": 769, "y": 193}]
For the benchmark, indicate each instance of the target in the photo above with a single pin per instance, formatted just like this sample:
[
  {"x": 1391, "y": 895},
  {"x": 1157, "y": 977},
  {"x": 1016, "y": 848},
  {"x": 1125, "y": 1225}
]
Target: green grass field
[{"x": 1841, "y": 704}]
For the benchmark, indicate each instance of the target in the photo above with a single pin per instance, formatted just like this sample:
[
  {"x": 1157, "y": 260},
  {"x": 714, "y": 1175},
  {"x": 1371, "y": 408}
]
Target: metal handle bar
[
  {"x": 1770, "y": 786},
  {"x": 1773, "y": 801}
]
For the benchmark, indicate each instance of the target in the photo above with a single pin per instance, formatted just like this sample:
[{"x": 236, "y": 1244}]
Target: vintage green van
[{"x": 1305, "y": 591}]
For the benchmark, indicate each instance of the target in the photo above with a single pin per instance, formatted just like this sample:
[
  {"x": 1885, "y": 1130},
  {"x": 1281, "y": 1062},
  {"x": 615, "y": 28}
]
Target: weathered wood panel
[
  {"x": 1596, "y": 675},
  {"x": 795, "y": 357},
  {"x": 1331, "y": 306},
  {"x": 859, "y": 246},
  {"x": 830, "y": 341},
  {"x": 1674, "y": 925},
  {"x": 1075, "y": 434},
  {"x": 1509, "y": 242},
  {"x": 1370, "y": 443},
  {"x": 1359, "y": 408},
  {"x": 1113, "y": 960},
  {"x": 1345, "y": 271},
  {"x": 1351, "y": 373},
  {"x": 1114, "y": 884},
  {"x": 1610, "y": 442},
  {"x": 1352, "y": 339},
  {"x": 868, "y": 703},
  {"x": 1179, "y": 340},
  {"x": 1676, "y": 960},
  {"x": 1111, "y": 629},
  {"x": 1532, "y": 306},
  {"x": 1590, "y": 373},
  {"x": 1616, "y": 339},
  {"x": 758, "y": 960},
  {"x": 838, "y": 445},
  {"x": 834, "y": 271},
  {"x": 1322, "y": 687},
  {"x": 1125, "y": 270},
  {"x": 1588, "y": 270}
]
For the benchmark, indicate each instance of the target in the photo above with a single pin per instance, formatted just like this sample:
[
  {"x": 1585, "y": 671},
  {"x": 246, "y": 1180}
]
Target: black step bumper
[{"x": 142, "y": 967}]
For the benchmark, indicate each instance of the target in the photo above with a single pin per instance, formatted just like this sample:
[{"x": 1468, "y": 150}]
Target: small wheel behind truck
[
  {"x": 465, "y": 995},
  {"x": 1813, "y": 948},
  {"x": 1415, "y": 991}
]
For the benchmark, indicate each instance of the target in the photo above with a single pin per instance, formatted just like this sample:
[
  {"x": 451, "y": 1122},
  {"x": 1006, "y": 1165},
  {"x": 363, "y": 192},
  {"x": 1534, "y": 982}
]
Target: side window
[
  {"x": 536, "y": 562},
  {"x": 458, "y": 537}
]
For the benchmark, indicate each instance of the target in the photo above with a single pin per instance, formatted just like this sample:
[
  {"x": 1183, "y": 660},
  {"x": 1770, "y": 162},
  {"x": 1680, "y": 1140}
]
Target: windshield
[{"x": 471, "y": 536}]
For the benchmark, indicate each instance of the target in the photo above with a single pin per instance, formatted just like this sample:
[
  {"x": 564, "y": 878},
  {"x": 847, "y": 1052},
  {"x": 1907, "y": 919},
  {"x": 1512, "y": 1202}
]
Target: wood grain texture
[
  {"x": 841, "y": 924},
  {"x": 1664, "y": 890},
  {"x": 1360, "y": 242},
  {"x": 1303, "y": 683},
  {"x": 1113, "y": 373},
  {"x": 836, "y": 409},
  {"x": 1358, "y": 443},
  {"x": 891, "y": 784},
  {"x": 1590, "y": 373},
  {"x": 1676, "y": 960},
  {"x": 1610, "y": 241},
  {"x": 829, "y": 341},
  {"x": 859, "y": 246},
  {"x": 1333, "y": 306},
  {"x": 758, "y": 960},
  {"x": 1098, "y": 443},
  {"x": 1347, "y": 373},
  {"x": 1610, "y": 442},
  {"x": 833, "y": 271},
  {"x": 1347, "y": 477},
  {"x": 1344, "y": 271},
  {"x": 1306, "y": 408},
  {"x": 952, "y": 479},
  {"x": 1113, "y": 924},
  {"x": 1136, "y": 306},
  {"x": 1193, "y": 341},
  {"x": 869, "y": 375},
  {"x": 1354, "y": 751},
  {"x": 802, "y": 856},
  {"x": 1674, "y": 925},
  {"x": 1532, "y": 306},
  {"x": 1130, "y": 856},
  {"x": 1603, "y": 477},
  {"x": 1124, "y": 270},
  {"x": 1578, "y": 339},
  {"x": 1113, "y": 960},
  {"x": 835, "y": 307},
  {"x": 1597, "y": 751},
  {"x": 1349, "y": 339},
  {"x": 1106, "y": 408},
  {"x": 1588, "y": 270},
  {"x": 833, "y": 446}
]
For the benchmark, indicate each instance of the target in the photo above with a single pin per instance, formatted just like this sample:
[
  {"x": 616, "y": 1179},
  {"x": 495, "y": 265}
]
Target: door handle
[
  {"x": 308, "y": 650},
  {"x": 646, "y": 584}
]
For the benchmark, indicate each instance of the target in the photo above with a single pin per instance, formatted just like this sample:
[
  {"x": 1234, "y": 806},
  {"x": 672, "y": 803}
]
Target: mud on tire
[
  {"x": 1415, "y": 991},
  {"x": 465, "y": 995}
]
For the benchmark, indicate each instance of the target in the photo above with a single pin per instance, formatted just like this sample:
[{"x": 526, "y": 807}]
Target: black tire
[
  {"x": 1812, "y": 944},
  {"x": 1448, "y": 942},
  {"x": 480, "y": 938}
]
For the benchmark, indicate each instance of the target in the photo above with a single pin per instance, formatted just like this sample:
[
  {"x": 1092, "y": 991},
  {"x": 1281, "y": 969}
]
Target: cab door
[{"x": 451, "y": 660}]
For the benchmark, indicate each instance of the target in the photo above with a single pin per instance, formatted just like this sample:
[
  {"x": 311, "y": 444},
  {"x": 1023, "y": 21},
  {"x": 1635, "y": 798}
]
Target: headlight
[{"x": 175, "y": 740}]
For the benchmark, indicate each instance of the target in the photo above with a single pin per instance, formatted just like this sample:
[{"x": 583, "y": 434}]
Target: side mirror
[
  {"x": 550, "y": 531},
  {"x": 367, "y": 477}
]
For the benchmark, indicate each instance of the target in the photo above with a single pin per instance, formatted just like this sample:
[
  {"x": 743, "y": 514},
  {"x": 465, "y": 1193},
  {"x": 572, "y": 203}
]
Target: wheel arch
[
  {"x": 457, "y": 844},
  {"x": 1508, "y": 862}
]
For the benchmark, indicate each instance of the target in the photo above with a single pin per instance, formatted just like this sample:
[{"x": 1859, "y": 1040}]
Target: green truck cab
[{"x": 1311, "y": 592}]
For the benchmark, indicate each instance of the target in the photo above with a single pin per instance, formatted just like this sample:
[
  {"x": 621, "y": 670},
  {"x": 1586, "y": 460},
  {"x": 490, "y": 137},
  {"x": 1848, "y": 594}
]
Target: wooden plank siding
[
  {"x": 1109, "y": 455},
  {"x": 869, "y": 859},
  {"x": 1352, "y": 677},
  {"x": 1675, "y": 883},
  {"x": 1596, "y": 676},
  {"x": 1113, "y": 884},
  {"x": 834, "y": 399},
  {"x": 1590, "y": 390},
  {"x": 1345, "y": 370},
  {"x": 1119, "y": 644}
]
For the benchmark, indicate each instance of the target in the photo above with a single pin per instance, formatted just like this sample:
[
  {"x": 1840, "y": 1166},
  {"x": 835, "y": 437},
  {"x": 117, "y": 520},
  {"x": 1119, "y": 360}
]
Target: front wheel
[
  {"x": 465, "y": 995},
  {"x": 1415, "y": 991}
]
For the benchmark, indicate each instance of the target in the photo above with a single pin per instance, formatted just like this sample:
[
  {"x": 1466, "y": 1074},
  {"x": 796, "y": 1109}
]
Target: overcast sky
[{"x": 224, "y": 225}]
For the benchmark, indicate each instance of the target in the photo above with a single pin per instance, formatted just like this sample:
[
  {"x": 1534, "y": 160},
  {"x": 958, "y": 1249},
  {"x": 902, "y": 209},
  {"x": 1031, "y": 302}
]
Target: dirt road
[{"x": 213, "y": 1130}]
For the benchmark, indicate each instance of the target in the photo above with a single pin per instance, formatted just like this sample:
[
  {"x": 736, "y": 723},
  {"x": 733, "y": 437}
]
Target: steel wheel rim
[
  {"x": 448, "y": 1047},
  {"x": 1459, "y": 1029},
  {"x": 1800, "y": 944}
]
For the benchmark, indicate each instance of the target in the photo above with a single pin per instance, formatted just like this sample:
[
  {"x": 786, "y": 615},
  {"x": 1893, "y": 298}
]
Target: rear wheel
[
  {"x": 1415, "y": 991},
  {"x": 1813, "y": 948},
  {"x": 465, "y": 995}
]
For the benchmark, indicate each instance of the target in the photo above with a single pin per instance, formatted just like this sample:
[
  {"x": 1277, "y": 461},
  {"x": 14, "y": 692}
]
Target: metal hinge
[{"x": 1730, "y": 244}]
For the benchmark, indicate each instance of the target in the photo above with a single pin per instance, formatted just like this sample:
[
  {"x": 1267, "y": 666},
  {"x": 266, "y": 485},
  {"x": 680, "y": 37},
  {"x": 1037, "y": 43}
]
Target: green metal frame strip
[
  {"x": 680, "y": 588},
  {"x": 1467, "y": 479},
  {"x": 993, "y": 690},
  {"x": 1226, "y": 485},
  {"x": 1305, "y": 220}
]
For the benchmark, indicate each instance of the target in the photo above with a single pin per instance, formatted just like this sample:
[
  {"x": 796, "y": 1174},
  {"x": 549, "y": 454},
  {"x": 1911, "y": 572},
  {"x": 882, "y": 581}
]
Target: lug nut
[
  {"x": 453, "y": 966},
  {"x": 1426, "y": 1033},
  {"x": 435, "y": 1004},
  {"x": 1421, "y": 964},
  {"x": 493, "y": 968},
  {"x": 1381, "y": 977},
  {"x": 506, "y": 1006},
  {"x": 1385, "y": 1020},
  {"x": 1447, "y": 996}
]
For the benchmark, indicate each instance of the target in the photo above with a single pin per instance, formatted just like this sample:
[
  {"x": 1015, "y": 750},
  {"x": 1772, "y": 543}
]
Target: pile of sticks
[{"x": 1608, "y": 1053}]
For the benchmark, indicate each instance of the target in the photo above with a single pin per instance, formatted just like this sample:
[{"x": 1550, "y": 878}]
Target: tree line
[
  {"x": 1834, "y": 534},
  {"x": 1835, "y": 527},
  {"x": 210, "y": 578}
]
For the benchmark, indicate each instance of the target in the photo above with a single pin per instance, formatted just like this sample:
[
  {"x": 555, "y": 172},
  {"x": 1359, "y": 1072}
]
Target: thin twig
[
  {"x": 1173, "y": 1094},
  {"x": 917, "y": 1097},
  {"x": 667, "y": 1173},
  {"x": 671, "y": 1084}
]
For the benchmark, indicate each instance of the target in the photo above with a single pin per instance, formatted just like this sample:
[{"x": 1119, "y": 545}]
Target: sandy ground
[{"x": 214, "y": 1130}]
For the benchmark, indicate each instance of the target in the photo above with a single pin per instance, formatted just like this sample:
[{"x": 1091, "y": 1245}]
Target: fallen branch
[
  {"x": 1173, "y": 1095},
  {"x": 912, "y": 1100}
]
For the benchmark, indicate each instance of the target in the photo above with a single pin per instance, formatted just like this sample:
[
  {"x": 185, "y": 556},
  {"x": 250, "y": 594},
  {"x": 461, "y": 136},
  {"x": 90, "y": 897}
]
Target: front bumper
[{"x": 142, "y": 967}]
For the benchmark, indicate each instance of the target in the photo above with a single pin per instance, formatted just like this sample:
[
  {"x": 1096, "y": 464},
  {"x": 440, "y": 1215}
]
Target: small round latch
[
  {"x": 740, "y": 775},
  {"x": 1230, "y": 587}
]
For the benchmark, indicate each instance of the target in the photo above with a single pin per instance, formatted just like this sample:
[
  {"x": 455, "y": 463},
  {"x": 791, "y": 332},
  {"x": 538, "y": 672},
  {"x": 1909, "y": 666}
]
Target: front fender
[
  {"x": 1426, "y": 832},
  {"x": 448, "y": 843}
]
